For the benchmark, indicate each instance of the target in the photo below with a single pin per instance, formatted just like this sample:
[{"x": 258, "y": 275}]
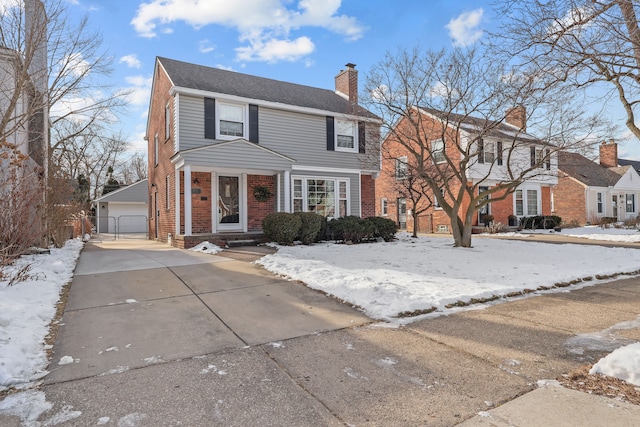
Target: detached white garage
[{"x": 124, "y": 210}]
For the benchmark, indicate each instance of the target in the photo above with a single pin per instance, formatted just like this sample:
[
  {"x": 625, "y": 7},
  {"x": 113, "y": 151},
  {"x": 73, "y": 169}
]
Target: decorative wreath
[{"x": 261, "y": 193}]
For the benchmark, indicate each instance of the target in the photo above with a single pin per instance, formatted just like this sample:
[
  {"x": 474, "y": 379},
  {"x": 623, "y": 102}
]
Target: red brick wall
[
  {"x": 159, "y": 172},
  {"x": 501, "y": 209},
  {"x": 257, "y": 210},
  {"x": 569, "y": 200},
  {"x": 546, "y": 200},
  {"x": 368, "y": 196},
  {"x": 201, "y": 202}
]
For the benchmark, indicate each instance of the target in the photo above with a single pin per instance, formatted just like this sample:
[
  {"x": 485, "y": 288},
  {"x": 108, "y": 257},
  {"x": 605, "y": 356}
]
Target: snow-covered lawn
[
  {"x": 26, "y": 310},
  {"x": 595, "y": 232}
]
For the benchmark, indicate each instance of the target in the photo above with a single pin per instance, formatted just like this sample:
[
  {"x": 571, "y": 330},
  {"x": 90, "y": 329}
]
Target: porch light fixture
[{"x": 195, "y": 181}]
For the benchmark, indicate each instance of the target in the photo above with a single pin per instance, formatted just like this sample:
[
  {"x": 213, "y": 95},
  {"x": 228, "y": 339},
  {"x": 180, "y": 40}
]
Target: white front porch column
[
  {"x": 187, "y": 200},
  {"x": 177, "y": 202},
  {"x": 278, "y": 192},
  {"x": 287, "y": 191}
]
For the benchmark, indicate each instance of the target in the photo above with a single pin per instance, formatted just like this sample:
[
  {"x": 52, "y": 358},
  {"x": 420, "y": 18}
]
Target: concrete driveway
[
  {"x": 136, "y": 302},
  {"x": 163, "y": 337}
]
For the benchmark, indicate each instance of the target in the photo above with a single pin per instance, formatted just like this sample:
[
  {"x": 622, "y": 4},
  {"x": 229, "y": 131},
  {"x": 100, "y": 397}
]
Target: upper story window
[
  {"x": 486, "y": 152},
  {"x": 541, "y": 158},
  {"x": 437, "y": 151},
  {"x": 402, "y": 168},
  {"x": 167, "y": 122},
  {"x": 231, "y": 119},
  {"x": 346, "y": 136}
]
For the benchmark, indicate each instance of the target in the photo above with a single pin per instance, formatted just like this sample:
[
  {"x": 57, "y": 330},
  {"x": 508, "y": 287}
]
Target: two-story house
[
  {"x": 588, "y": 191},
  {"x": 226, "y": 149},
  {"x": 483, "y": 153}
]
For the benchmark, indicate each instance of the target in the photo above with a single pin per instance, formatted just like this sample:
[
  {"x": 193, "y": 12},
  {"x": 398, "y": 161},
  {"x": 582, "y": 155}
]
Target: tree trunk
[{"x": 415, "y": 223}]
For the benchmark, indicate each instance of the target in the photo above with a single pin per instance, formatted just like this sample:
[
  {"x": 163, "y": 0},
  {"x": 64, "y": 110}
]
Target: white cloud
[
  {"x": 223, "y": 67},
  {"x": 74, "y": 64},
  {"x": 205, "y": 46},
  {"x": 308, "y": 63},
  {"x": 131, "y": 60},
  {"x": 464, "y": 29},
  {"x": 274, "y": 50},
  {"x": 264, "y": 24},
  {"x": 140, "y": 90}
]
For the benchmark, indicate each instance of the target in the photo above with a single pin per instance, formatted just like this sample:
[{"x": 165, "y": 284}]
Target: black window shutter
[
  {"x": 499, "y": 153},
  {"x": 533, "y": 156},
  {"x": 253, "y": 123},
  {"x": 362, "y": 139},
  {"x": 480, "y": 150},
  {"x": 210, "y": 118},
  {"x": 548, "y": 159},
  {"x": 331, "y": 138}
]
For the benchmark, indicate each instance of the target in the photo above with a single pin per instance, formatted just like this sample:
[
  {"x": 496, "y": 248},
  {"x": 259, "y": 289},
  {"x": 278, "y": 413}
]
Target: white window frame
[
  {"x": 167, "y": 121},
  {"x": 336, "y": 188},
  {"x": 338, "y": 133},
  {"x": 402, "y": 168},
  {"x": 220, "y": 104},
  {"x": 384, "y": 207},
  {"x": 488, "y": 152},
  {"x": 630, "y": 197},
  {"x": 525, "y": 201},
  {"x": 167, "y": 193},
  {"x": 437, "y": 151},
  {"x": 600, "y": 202}
]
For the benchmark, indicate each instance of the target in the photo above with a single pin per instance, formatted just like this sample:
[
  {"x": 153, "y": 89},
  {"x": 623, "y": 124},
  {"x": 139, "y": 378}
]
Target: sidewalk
[{"x": 160, "y": 336}]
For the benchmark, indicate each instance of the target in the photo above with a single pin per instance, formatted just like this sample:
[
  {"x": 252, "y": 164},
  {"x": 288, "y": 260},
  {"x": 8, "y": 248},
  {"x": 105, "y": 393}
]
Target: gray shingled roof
[
  {"x": 633, "y": 163},
  {"x": 487, "y": 127},
  {"x": 137, "y": 192},
  {"x": 187, "y": 75},
  {"x": 588, "y": 172}
]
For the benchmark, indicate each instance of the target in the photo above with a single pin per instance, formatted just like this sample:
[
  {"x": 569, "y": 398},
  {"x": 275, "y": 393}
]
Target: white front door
[{"x": 230, "y": 203}]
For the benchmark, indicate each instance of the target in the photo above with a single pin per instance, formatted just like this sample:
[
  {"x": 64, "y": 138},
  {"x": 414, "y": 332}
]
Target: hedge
[
  {"x": 281, "y": 227},
  {"x": 540, "y": 222}
]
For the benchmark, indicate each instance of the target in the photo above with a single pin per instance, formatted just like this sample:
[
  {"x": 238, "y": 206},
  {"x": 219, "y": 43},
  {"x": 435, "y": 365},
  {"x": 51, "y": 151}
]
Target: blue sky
[{"x": 300, "y": 41}]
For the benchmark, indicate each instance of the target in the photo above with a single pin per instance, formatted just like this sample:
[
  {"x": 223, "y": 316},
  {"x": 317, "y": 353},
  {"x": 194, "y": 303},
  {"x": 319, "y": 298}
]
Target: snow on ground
[
  {"x": 623, "y": 363},
  {"x": 26, "y": 310},
  {"x": 207, "y": 248},
  {"x": 389, "y": 278}
]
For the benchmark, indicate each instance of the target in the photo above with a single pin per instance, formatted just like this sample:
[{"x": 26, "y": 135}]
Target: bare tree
[
  {"x": 584, "y": 44},
  {"x": 134, "y": 169},
  {"x": 449, "y": 112}
]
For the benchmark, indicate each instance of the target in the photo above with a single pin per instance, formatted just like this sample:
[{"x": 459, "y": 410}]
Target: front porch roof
[{"x": 238, "y": 153}]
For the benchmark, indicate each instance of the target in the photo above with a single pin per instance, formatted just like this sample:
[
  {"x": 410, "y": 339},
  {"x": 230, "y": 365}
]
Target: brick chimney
[
  {"x": 347, "y": 82},
  {"x": 517, "y": 116},
  {"x": 609, "y": 154}
]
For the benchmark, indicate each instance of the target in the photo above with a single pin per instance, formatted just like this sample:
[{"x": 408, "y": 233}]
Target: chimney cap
[{"x": 350, "y": 65}]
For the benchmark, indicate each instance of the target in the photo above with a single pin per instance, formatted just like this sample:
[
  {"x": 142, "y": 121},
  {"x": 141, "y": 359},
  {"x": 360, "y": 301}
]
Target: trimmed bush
[
  {"x": 350, "y": 229},
  {"x": 540, "y": 222},
  {"x": 383, "y": 227},
  {"x": 322, "y": 234},
  {"x": 311, "y": 225},
  {"x": 281, "y": 227}
]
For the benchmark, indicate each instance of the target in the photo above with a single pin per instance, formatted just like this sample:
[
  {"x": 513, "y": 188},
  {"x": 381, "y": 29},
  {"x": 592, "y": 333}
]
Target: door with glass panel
[{"x": 229, "y": 193}]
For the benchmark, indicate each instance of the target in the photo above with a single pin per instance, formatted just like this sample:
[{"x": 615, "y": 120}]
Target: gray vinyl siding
[
  {"x": 354, "y": 185},
  {"x": 296, "y": 135},
  {"x": 239, "y": 155},
  {"x": 191, "y": 112},
  {"x": 302, "y": 137}
]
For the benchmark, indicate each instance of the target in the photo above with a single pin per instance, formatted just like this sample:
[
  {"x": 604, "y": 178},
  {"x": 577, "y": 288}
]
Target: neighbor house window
[
  {"x": 231, "y": 119},
  {"x": 631, "y": 203},
  {"x": 167, "y": 192},
  {"x": 321, "y": 196},
  {"x": 384, "y": 207},
  {"x": 437, "y": 151},
  {"x": 486, "y": 152},
  {"x": 519, "y": 203},
  {"x": 537, "y": 158},
  {"x": 167, "y": 122},
  {"x": 346, "y": 136},
  {"x": 155, "y": 149},
  {"x": 402, "y": 168},
  {"x": 599, "y": 201},
  {"x": 532, "y": 202}
]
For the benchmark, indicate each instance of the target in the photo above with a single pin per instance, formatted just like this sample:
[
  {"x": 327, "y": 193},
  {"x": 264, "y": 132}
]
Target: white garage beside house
[{"x": 124, "y": 210}]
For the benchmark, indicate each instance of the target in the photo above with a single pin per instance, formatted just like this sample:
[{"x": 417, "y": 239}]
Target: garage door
[{"x": 129, "y": 217}]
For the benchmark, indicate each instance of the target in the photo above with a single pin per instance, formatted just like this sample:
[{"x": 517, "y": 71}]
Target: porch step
[{"x": 236, "y": 243}]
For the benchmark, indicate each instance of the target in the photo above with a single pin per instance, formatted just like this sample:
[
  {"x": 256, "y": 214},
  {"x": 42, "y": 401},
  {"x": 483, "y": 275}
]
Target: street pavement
[{"x": 167, "y": 337}]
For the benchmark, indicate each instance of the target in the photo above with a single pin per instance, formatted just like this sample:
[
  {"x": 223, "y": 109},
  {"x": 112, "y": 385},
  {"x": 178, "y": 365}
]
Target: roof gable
[
  {"x": 137, "y": 192},
  {"x": 215, "y": 80},
  {"x": 587, "y": 171}
]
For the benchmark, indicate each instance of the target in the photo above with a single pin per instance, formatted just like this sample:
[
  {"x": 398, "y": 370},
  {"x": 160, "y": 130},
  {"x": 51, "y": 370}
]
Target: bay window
[{"x": 328, "y": 197}]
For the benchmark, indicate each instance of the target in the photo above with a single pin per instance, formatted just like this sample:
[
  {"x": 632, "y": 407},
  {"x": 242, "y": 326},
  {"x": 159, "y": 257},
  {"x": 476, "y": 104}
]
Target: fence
[{"x": 120, "y": 227}]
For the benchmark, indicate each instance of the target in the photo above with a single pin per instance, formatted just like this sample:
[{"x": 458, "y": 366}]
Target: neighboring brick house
[
  {"x": 241, "y": 147},
  {"x": 588, "y": 191},
  {"x": 532, "y": 197}
]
